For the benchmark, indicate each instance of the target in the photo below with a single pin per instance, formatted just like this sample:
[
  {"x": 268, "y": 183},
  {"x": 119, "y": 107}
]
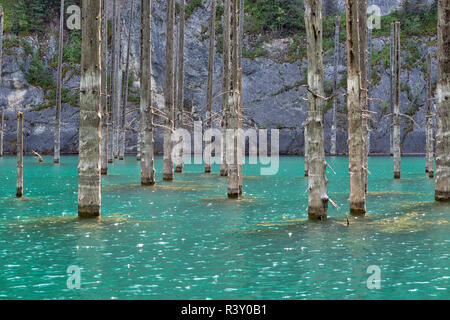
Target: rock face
[{"x": 272, "y": 94}]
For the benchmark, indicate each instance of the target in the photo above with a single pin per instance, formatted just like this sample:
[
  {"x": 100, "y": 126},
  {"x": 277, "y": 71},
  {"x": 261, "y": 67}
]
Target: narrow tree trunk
[
  {"x": 369, "y": 84},
  {"x": 442, "y": 185},
  {"x": 104, "y": 97},
  {"x": 118, "y": 80},
  {"x": 209, "y": 94},
  {"x": 429, "y": 134},
  {"x": 391, "y": 96},
  {"x": 19, "y": 189},
  {"x": 335, "y": 84},
  {"x": 306, "y": 149},
  {"x": 138, "y": 146},
  {"x": 364, "y": 85},
  {"x": 146, "y": 103},
  {"x": 1, "y": 40},
  {"x": 115, "y": 78},
  {"x": 169, "y": 92},
  {"x": 355, "y": 122},
  {"x": 113, "y": 85},
  {"x": 57, "y": 143},
  {"x": 180, "y": 86},
  {"x": 241, "y": 31},
  {"x": 2, "y": 129},
  {"x": 317, "y": 182},
  {"x": 89, "y": 178},
  {"x": 396, "y": 125}
]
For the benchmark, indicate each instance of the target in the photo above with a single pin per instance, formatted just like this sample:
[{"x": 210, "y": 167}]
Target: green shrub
[{"x": 38, "y": 74}]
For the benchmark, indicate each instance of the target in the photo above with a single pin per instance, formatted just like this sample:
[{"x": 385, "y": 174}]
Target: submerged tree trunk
[
  {"x": 396, "y": 124},
  {"x": 115, "y": 76},
  {"x": 369, "y": 85},
  {"x": 113, "y": 85},
  {"x": 1, "y": 40},
  {"x": 89, "y": 178},
  {"x": 209, "y": 94},
  {"x": 429, "y": 158},
  {"x": 355, "y": 121},
  {"x": 226, "y": 66},
  {"x": 335, "y": 84},
  {"x": 442, "y": 185},
  {"x": 146, "y": 103},
  {"x": 2, "y": 129},
  {"x": 104, "y": 97},
  {"x": 169, "y": 92},
  {"x": 364, "y": 85},
  {"x": 391, "y": 96},
  {"x": 317, "y": 181},
  {"x": 57, "y": 143},
  {"x": 180, "y": 85},
  {"x": 19, "y": 189},
  {"x": 119, "y": 77}
]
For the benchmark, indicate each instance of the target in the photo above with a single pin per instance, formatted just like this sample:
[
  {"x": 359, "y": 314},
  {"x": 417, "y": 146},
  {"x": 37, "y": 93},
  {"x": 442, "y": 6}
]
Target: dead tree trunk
[
  {"x": 396, "y": 124},
  {"x": 180, "y": 85},
  {"x": 317, "y": 181},
  {"x": 89, "y": 177},
  {"x": 442, "y": 185},
  {"x": 429, "y": 135},
  {"x": 169, "y": 92},
  {"x": 391, "y": 96},
  {"x": 146, "y": 103},
  {"x": 2, "y": 129},
  {"x": 57, "y": 133},
  {"x": 113, "y": 84},
  {"x": 119, "y": 77},
  {"x": 241, "y": 31},
  {"x": 115, "y": 78},
  {"x": 226, "y": 66},
  {"x": 335, "y": 84},
  {"x": 355, "y": 121},
  {"x": 1, "y": 40},
  {"x": 104, "y": 97},
  {"x": 19, "y": 189},
  {"x": 369, "y": 84}
]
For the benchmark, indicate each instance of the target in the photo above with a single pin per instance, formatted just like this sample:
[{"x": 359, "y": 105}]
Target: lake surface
[{"x": 186, "y": 240}]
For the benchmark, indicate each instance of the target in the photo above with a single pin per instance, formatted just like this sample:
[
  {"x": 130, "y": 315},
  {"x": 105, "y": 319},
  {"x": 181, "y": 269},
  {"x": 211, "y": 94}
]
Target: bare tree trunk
[
  {"x": 146, "y": 104},
  {"x": 429, "y": 135},
  {"x": 355, "y": 121},
  {"x": 1, "y": 40},
  {"x": 317, "y": 181},
  {"x": 89, "y": 177},
  {"x": 115, "y": 78},
  {"x": 117, "y": 99},
  {"x": 391, "y": 78},
  {"x": 2, "y": 129},
  {"x": 209, "y": 94},
  {"x": 113, "y": 85},
  {"x": 19, "y": 189},
  {"x": 180, "y": 86},
  {"x": 104, "y": 97},
  {"x": 396, "y": 125},
  {"x": 123, "y": 130},
  {"x": 442, "y": 185},
  {"x": 335, "y": 84},
  {"x": 226, "y": 66},
  {"x": 306, "y": 151},
  {"x": 241, "y": 31},
  {"x": 57, "y": 142},
  {"x": 364, "y": 85},
  {"x": 369, "y": 84},
  {"x": 169, "y": 92}
]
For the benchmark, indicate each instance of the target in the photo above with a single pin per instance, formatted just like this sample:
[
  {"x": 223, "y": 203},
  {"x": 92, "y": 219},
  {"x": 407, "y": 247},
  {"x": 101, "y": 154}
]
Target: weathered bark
[
  {"x": 57, "y": 133},
  {"x": 369, "y": 83},
  {"x": 442, "y": 181},
  {"x": 391, "y": 96},
  {"x": 335, "y": 84},
  {"x": 2, "y": 128},
  {"x": 19, "y": 189},
  {"x": 118, "y": 97},
  {"x": 364, "y": 85},
  {"x": 429, "y": 145},
  {"x": 1, "y": 40},
  {"x": 115, "y": 63},
  {"x": 110, "y": 132},
  {"x": 355, "y": 121},
  {"x": 146, "y": 103},
  {"x": 89, "y": 178},
  {"x": 396, "y": 124},
  {"x": 169, "y": 92},
  {"x": 241, "y": 31},
  {"x": 306, "y": 152},
  {"x": 209, "y": 93},
  {"x": 104, "y": 96},
  {"x": 317, "y": 182},
  {"x": 180, "y": 85},
  {"x": 113, "y": 85}
]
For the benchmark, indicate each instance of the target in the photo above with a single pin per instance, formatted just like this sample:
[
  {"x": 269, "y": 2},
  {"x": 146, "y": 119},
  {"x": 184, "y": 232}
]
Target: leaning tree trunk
[
  {"x": 317, "y": 181},
  {"x": 335, "y": 84},
  {"x": 442, "y": 184},
  {"x": 104, "y": 97},
  {"x": 19, "y": 189},
  {"x": 180, "y": 85},
  {"x": 391, "y": 95},
  {"x": 89, "y": 178},
  {"x": 146, "y": 106},
  {"x": 57, "y": 143},
  {"x": 396, "y": 124},
  {"x": 355, "y": 121},
  {"x": 429, "y": 158},
  {"x": 169, "y": 92},
  {"x": 209, "y": 93}
]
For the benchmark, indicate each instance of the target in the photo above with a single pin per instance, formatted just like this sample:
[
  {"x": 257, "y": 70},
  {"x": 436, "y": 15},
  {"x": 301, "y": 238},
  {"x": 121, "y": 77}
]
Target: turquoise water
[{"x": 185, "y": 240}]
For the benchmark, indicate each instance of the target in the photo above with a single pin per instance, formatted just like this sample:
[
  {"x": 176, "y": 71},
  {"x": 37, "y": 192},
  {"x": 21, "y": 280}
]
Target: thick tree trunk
[
  {"x": 429, "y": 158},
  {"x": 180, "y": 85},
  {"x": 396, "y": 125},
  {"x": 104, "y": 97},
  {"x": 317, "y": 182},
  {"x": 89, "y": 178},
  {"x": 209, "y": 93},
  {"x": 335, "y": 84},
  {"x": 146, "y": 104},
  {"x": 19, "y": 189},
  {"x": 442, "y": 184},
  {"x": 57, "y": 142},
  {"x": 391, "y": 96},
  {"x": 364, "y": 85},
  {"x": 2, "y": 128},
  {"x": 169, "y": 92},
  {"x": 355, "y": 121}
]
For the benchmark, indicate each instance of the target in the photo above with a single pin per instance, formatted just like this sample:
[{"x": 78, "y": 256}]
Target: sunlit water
[{"x": 186, "y": 240}]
